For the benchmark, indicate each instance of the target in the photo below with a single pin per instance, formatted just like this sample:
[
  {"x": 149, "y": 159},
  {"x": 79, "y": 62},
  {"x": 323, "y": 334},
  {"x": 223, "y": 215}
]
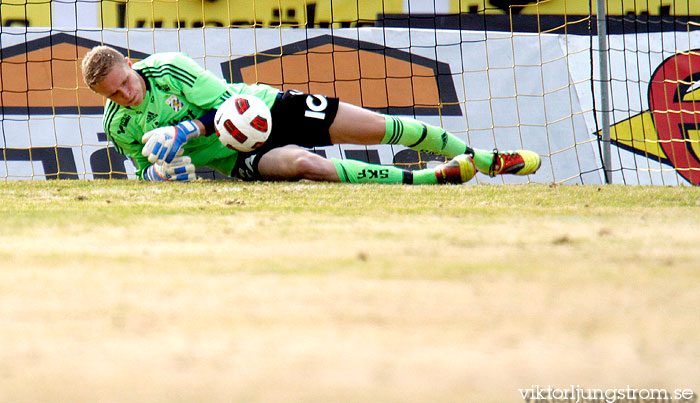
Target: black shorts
[{"x": 297, "y": 118}]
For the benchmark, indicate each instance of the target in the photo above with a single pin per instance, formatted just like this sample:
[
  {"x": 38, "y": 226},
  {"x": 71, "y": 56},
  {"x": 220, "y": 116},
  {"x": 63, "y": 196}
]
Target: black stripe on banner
[{"x": 570, "y": 24}]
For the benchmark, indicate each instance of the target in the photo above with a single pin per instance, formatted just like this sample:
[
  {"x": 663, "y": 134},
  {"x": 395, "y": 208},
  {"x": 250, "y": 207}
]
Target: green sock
[
  {"x": 422, "y": 137},
  {"x": 482, "y": 159},
  {"x": 354, "y": 171}
]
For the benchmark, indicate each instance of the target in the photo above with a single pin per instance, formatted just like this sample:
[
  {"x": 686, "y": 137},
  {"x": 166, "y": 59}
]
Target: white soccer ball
[{"x": 243, "y": 122}]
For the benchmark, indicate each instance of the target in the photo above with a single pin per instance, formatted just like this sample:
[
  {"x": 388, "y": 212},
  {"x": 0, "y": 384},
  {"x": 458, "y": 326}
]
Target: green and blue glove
[
  {"x": 165, "y": 143},
  {"x": 180, "y": 169}
]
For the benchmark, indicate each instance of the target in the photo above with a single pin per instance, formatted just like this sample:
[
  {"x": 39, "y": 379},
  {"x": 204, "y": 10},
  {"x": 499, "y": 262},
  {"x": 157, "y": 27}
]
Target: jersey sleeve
[{"x": 125, "y": 135}]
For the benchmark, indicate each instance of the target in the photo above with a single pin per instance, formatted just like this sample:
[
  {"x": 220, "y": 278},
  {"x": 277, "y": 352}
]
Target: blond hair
[{"x": 98, "y": 62}]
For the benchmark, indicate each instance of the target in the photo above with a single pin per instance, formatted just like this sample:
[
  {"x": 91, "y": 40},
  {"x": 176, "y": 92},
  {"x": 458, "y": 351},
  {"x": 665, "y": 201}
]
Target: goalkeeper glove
[
  {"x": 181, "y": 169},
  {"x": 165, "y": 143}
]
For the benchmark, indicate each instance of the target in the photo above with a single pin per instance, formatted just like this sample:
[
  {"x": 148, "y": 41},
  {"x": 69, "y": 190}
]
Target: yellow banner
[
  {"x": 23, "y": 13},
  {"x": 308, "y": 14},
  {"x": 244, "y": 13},
  {"x": 577, "y": 7}
]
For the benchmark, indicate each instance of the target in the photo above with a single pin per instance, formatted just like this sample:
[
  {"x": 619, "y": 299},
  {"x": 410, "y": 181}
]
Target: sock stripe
[
  {"x": 393, "y": 131},
  {"x": 422, "y": 136},
  {"x": 345, "y": 174},
  {"x": 408, "y": 177},
  {"x": 397, "y": 132}
]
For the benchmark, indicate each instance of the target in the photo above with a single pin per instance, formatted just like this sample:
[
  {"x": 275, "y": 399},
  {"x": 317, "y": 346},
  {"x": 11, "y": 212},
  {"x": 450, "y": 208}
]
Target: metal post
[{"x": 604, "y": 86}]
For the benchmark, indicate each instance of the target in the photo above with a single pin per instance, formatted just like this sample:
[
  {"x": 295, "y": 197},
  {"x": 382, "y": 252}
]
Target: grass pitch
[{"x": 210, "y": 291}]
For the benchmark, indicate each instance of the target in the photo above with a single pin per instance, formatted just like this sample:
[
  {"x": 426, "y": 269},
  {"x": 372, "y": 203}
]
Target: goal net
[{"x": 499, "y": 74}]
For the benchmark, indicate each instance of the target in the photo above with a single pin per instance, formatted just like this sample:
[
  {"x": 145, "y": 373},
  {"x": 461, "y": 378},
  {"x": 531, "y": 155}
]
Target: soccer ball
[{"x": 243, "y": 122}]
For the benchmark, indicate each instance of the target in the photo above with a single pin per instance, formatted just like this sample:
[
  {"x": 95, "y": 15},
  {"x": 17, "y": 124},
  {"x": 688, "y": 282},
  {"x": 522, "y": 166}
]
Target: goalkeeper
[{"x": 160, "y": 113}]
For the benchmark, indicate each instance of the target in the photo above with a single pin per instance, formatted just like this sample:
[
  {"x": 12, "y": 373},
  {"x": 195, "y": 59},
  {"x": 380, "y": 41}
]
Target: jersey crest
[{"x": 175, "y": 103}]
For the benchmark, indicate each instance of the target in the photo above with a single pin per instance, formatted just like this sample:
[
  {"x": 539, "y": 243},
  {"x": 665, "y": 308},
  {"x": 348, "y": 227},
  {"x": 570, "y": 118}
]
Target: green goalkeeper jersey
[{"x": 177, "y": 89}]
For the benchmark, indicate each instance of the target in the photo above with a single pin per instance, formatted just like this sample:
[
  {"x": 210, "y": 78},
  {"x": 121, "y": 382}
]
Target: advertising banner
[
  {"x": 655, "y": 118},
  {"x": 493, "y": 90}
]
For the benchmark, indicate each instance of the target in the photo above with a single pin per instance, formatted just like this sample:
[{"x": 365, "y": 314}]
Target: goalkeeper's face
[{"x": 123, "y": 85}]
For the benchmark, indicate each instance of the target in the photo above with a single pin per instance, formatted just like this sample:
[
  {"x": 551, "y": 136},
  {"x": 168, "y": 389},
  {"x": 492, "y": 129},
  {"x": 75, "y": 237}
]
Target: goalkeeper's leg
[
  {"x": 424, "y": 137},
  {"x": 459, "y": 170},
  {"x": 294, "y": 163},
  {"x": 356, "y": 125}
]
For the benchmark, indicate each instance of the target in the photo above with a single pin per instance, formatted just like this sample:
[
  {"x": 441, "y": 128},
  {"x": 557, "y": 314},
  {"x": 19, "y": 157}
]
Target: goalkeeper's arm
[{"x": 165, "y": 143}]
